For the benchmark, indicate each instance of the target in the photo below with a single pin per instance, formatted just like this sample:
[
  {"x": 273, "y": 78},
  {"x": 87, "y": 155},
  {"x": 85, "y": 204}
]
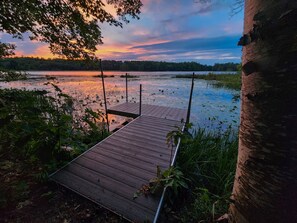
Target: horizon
[
  {"x": 57, "y": 58},
  {"x": 169, "y": 31}
]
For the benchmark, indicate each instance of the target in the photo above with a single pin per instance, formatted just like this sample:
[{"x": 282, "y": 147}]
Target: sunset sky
[{"x": 168, "y": 30}]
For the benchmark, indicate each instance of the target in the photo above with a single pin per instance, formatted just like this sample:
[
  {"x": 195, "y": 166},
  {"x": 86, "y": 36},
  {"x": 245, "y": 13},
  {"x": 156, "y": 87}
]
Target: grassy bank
[
  {"x": 209, "y": 161},
  {"x": 205, "y": 169},
  {"x": 231, "y": 81}
]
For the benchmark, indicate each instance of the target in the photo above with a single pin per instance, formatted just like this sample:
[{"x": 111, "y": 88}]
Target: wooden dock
[
  {"x": 113, "y": 170},
  {"x": 132, "y": 110}
]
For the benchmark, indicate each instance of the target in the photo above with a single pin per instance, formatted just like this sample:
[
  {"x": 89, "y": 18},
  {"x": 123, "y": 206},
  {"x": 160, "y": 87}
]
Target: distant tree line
[{"x": 30, "y": 63}]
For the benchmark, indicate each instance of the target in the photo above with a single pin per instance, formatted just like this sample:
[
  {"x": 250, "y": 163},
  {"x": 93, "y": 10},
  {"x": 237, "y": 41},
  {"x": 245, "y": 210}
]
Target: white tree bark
[{"x": 265, "y": 187}]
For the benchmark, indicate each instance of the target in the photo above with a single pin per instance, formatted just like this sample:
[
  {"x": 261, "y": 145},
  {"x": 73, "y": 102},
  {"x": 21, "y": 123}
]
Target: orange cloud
[
  {"x": 44, "y": 52},
  {"x": 111, "y": 50}
]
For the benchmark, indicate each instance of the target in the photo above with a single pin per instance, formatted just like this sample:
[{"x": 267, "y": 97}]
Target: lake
[{"x": 212, "y": 107}]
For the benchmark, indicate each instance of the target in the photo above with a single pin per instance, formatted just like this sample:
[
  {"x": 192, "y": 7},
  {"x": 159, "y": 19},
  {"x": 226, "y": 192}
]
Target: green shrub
[{"x": 38, "y": 128}]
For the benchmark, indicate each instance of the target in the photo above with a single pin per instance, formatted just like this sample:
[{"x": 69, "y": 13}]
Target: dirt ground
[
  {"x": 52, "y": 203},
  {"x": 24, "y": 199}
]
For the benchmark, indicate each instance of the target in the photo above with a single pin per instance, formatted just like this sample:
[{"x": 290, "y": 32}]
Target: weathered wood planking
[
  {"x": 113, "y": 170},
  {"x": 132, "y": 110}
]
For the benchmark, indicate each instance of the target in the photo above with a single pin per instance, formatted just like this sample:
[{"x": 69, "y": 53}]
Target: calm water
[{"x": 212, "y": 107}]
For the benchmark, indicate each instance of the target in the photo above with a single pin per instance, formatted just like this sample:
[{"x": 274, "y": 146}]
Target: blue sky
[{"x": 168, "y": 30}]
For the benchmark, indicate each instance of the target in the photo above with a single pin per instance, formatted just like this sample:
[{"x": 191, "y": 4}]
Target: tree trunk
[{"x": 265, "y": 187}]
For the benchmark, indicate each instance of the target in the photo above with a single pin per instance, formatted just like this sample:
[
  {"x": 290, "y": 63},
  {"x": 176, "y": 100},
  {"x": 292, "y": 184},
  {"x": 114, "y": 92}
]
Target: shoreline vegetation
[
  {"x": 208, "y": 161},
  {"x": 231, "y": 81},
  {"x": 39, "y": 64},
  {"x": 39, "y": 133}
]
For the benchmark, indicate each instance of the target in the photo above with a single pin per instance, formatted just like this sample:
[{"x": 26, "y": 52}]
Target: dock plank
[
  {"x": 146, "y": 143},
  {"x": 148, "y": 134},
  {"x": 111, "y": 185},
  {"x": 112, "y": 172},
  {"x": 136, "y": 163},
  {"x": 98, "y": 195},
  {"x": 137, "y": 151},
  {"x": 141, "y": 164},
  {"x": 118, "y": 165}
]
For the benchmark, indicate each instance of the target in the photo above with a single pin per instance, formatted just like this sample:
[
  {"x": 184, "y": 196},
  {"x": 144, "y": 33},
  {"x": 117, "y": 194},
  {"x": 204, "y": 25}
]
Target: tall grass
[{"x": 209, "y": 161}]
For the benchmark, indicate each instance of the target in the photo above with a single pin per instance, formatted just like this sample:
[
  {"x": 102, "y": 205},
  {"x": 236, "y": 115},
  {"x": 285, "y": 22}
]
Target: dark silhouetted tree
[{"x": 70, "y": 27}]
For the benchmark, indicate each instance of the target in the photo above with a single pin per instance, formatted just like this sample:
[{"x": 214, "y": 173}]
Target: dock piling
[
  {"x": 140, "y": 98},
  {"x": 126, "y": 87},
  {"x": 190, "y": 102},
  {"x": 104, "y": 94}
]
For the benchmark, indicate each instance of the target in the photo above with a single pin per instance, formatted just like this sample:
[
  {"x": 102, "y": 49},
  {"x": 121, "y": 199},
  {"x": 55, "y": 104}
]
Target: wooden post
[
  {"x": 126, "y": 87},
  {"x": 140, "y": 98},
  {"x": 190, "y": 102},
  {"x": 104, "y": 94}
]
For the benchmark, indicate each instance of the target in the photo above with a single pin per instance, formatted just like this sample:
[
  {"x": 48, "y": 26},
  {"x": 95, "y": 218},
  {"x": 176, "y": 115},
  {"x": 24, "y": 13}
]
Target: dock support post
[
  {"x": 104, "y": 94},
  {"x": 190, "y": 103},
  {"x": 172, "y": 163},
  {"x": 140, "y": 98},
  {"x": 126, "y": 87}
]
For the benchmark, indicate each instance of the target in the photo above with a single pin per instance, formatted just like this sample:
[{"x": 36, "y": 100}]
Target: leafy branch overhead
[
  {"x": 70, "y": 27},
  {"x": 6, "y": 49}
]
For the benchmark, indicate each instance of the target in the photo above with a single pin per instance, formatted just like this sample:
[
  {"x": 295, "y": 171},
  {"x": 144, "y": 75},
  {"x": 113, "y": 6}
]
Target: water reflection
[{"x": 212, "y": 108}]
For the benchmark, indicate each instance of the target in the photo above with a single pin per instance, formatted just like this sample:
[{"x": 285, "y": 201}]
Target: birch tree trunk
[{"x": 265, "y": 187}]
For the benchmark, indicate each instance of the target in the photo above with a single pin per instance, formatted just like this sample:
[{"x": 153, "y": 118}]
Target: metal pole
[
  {"x": 172, "y": 163},
  {"x": 140, "y": 100},
  {"x": 126, "y": 87},
  {"x": 105, "y": 102},
  {"x": 190, "y": 102}
]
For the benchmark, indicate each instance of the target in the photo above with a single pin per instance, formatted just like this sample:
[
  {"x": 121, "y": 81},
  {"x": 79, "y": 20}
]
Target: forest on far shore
[{"x": 30, "y": 63}]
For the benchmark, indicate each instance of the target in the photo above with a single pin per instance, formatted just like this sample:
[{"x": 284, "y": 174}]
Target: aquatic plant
[
  {"x": 10, "y": 75},
  {"x": 231, "y": 81}
]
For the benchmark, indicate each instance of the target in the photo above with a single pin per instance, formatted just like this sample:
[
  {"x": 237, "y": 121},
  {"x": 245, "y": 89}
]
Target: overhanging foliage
[{"x": 70, "y": 27}]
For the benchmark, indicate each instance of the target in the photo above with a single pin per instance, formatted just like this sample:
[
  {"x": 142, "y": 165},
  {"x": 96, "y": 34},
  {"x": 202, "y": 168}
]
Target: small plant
[
  {"x": 178, "y": 135},
  {"x": 172, "y": 179}
]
